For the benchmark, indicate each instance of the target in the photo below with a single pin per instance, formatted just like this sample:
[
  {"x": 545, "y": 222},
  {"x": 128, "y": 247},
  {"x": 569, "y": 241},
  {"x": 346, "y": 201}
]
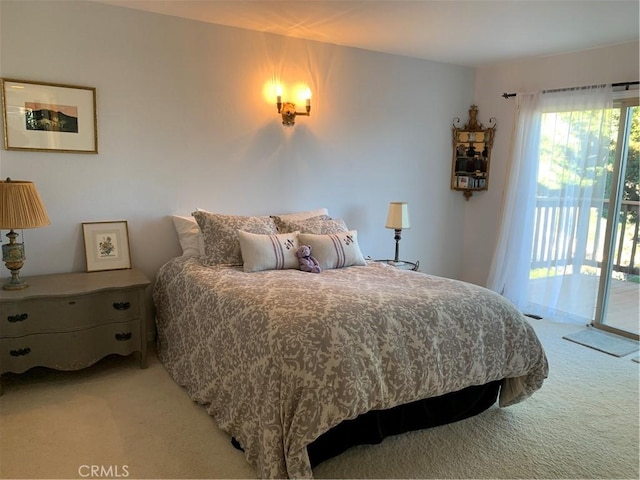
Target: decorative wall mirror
[{"x": 471, "y": 154}]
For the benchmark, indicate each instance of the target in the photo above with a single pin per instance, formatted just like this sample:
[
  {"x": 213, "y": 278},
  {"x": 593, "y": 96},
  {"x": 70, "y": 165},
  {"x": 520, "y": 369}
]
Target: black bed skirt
[{"x": 372, "y": 427}]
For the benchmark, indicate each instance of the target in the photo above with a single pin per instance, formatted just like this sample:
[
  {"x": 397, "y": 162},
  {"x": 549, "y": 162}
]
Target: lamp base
[
  {"x": 397, "y": 263},
  {"x": 397, "y": 238},
  {"x": 13, "y": 257},
  {"x": 15, "y": 283}
]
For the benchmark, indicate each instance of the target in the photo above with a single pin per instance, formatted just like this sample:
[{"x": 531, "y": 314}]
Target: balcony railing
[{"x": 584, "y": 246}]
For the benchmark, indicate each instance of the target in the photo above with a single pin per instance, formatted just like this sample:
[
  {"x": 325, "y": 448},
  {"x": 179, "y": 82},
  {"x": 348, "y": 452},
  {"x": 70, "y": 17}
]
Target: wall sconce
[{"x": 288, "y": 109}]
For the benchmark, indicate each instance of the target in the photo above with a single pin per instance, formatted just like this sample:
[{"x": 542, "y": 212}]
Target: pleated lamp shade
[{"x": 21, "y": 205}]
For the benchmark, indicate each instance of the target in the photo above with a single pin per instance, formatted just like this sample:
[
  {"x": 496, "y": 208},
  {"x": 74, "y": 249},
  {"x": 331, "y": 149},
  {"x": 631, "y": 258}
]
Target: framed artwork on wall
[
  {"x": 49, "y": 117},
  {"x": 106, "y": 245}
]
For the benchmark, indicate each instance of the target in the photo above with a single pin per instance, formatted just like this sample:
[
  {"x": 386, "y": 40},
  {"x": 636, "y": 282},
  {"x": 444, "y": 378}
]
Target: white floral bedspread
[{"x": 280, "y": 357}]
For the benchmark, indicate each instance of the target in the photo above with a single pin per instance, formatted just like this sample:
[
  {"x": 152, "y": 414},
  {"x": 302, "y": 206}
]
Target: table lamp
[
  {"x": 397, "y": 219},
  {"x": 20, "y": 207}
]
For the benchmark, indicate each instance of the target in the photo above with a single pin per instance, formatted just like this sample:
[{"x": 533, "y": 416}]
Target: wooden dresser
[{"x": 70, "y": 321}]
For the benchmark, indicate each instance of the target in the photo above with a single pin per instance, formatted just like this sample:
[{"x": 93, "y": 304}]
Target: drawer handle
[
  {"x": 121, "y": 305},
  {"x": 21, "y": 317},
  {"x": 121, "y": 337},
  {"x": 20, "y": 352}
]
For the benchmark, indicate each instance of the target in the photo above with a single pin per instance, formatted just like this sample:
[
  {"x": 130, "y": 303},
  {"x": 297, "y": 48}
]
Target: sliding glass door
[
  {"x": 585, "y": 257},
  {"x": 618, "y": 306}
]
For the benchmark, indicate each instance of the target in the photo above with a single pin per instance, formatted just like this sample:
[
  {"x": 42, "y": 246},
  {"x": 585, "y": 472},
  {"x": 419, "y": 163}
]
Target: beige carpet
[{"x": 134, "y": 423}]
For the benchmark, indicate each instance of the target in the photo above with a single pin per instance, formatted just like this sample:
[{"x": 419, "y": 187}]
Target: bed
[{"x": 283, "y": 359}]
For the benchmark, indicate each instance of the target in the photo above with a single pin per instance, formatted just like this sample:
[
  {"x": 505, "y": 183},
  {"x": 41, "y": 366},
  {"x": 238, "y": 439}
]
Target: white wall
[
  {"x": 183, "y": 123},
  {"x": 482, "y": 216}
]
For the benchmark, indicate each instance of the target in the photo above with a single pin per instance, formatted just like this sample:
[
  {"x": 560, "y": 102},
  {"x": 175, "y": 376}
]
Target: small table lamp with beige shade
[
  {"x": 397, "y": 219},
  {"x": 20, "y": 207}
]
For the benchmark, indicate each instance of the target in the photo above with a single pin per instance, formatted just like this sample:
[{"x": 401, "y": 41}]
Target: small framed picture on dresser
[{"x": 106, "y": 245}]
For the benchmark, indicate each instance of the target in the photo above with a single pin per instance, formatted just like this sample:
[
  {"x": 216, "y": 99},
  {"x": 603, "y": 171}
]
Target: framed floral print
[
  {"x": 49, "y": 117},
  {"x": 106, "y": 245}
]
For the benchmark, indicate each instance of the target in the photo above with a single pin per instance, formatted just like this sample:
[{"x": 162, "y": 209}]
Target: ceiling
[{"x": 462, "y": 32}]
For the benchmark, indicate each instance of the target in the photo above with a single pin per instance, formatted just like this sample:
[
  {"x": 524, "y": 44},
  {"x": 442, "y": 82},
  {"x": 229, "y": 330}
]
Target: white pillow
[
  {"x": 291, "y": 216},
  {"x": 268, "y": 252},
  {"x": 335, "y": 250},
  {"x": 189, "y": 236},
  {"x": 303, "y": 215}
]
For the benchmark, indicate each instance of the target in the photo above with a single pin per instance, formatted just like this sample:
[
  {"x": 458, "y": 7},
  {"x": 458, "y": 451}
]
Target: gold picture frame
[
  {"x": 106, "y": 245},
  {"x": 49, "y": 117}
]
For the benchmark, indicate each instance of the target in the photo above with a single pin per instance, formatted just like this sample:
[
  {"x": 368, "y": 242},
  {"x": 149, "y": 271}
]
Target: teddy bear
[{"x": 307, "y": 262}]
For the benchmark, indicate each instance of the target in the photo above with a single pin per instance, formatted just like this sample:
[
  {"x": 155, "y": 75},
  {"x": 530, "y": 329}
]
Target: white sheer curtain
[
  {"x": 559, "y": 152},
  {"x": 509, "y": 274}
]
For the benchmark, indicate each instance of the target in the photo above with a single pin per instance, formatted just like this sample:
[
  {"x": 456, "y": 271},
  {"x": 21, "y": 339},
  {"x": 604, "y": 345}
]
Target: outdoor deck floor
[{"x": 578, "y": 299}]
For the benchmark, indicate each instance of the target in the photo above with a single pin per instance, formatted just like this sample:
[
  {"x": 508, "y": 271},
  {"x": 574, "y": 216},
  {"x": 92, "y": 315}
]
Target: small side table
[{"x": 402, "y": 264}]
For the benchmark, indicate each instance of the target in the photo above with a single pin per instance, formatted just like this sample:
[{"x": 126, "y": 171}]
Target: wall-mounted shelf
[{"x": 471, "y": 154}]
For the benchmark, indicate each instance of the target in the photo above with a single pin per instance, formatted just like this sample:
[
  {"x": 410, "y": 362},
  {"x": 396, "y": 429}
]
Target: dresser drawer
[
  {"x": 60, "y": 314},
  {"x": 69, "y": 350}
]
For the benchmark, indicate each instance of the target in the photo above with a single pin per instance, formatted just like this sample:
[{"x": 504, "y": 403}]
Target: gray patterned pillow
[
  {"x": 220, "y": 234},
  {"x": 320, "y": 225}
]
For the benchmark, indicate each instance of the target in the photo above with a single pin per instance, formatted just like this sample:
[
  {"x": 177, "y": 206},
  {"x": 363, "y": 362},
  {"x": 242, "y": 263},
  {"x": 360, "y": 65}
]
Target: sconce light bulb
[{"x": 279, "y": 97}]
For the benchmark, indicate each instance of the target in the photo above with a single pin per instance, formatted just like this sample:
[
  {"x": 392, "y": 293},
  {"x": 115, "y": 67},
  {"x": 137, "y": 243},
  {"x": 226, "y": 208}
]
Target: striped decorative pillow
[
  {"x": 335, "y": 250},
  {"x": 268, "y": 252}
]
